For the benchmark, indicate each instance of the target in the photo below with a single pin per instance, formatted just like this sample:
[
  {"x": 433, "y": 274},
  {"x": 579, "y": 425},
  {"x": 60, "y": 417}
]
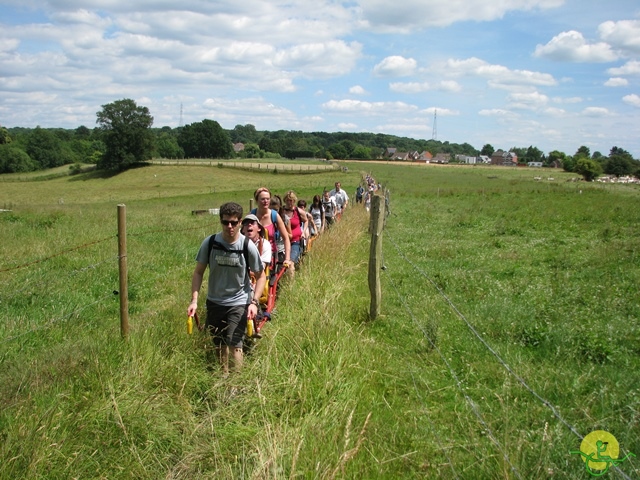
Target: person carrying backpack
[
  {"x": 330, "y": 208},
  {"x": 317, "y": 213},
  {"x": 231, "y": 301},
  {"x": 297, "y": 217},
  {"x": 272, "y": 222}
]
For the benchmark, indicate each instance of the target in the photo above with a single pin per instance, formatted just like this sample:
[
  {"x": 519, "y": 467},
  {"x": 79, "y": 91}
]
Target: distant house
[
  {"x": 507, "y": 159},
  {"x": 389, "y": 152},
  {"x": 467, "y": 159},
  {"x": 238, "y": 147},
  {"x": 442, "y": 158},
  {"x": 484, "y": 159},
  {"x": 425, "y": 157},
  {"x": 535, "y": 164},
  {"x": 404, "y": 156}
]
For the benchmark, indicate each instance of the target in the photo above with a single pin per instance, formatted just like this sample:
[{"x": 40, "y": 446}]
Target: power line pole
[{"x": 434, "y": 133}]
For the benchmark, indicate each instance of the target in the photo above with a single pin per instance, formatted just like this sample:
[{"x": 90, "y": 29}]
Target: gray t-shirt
[{"x": 229, "y": 282}]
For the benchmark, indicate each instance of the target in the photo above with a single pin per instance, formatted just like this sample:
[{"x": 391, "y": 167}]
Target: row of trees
[
  {"x": 619, "y": 162},
  {"x": 125, "y": 136}
]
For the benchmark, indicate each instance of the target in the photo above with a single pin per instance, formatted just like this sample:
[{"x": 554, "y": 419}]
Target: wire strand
[
  {"x": 470, "y": 402},
  {"x": 484, "y": 342}
]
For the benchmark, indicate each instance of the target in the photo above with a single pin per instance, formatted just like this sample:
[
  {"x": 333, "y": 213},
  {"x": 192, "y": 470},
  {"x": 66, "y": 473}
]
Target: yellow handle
[
  {"x": 190, "y": 325},
  {"x": 249, "y": 328}
]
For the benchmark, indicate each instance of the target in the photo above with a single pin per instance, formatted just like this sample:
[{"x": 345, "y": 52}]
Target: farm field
[{"x": 509, "y": 330}]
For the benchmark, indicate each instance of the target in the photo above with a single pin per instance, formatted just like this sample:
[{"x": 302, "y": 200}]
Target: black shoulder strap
[{"x": 245, "y": 251}]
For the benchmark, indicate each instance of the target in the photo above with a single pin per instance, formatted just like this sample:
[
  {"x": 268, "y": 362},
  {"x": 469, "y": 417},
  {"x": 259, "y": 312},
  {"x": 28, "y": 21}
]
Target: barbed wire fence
[
  {"x": 39, "y": 286},
  {"x": 378, "y": 217}
]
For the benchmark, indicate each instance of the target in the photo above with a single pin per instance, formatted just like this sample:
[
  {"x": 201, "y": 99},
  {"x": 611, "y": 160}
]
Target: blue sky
[{"x": 556, "y": 74}]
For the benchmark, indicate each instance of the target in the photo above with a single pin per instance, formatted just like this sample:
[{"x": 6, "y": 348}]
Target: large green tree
[
  {"x": 556, "y": 156},
  {"x": 245, "y": 134},
  {"x": 533, "y": 154},
  {"x": 620, "y": 163},
  {"x": 487, "y": 150},
  {"x": 589, "y": 169},
  {"x": 167, "y": 146},
  {"x": 47, "y": 150},
  {"x": 127, "y": 134},
  {"x": 582, "y": 152},
  {"x": 205, "y": 139},
  {"x": 4, "y": 136},
  {"x": 15, "y": 160}
]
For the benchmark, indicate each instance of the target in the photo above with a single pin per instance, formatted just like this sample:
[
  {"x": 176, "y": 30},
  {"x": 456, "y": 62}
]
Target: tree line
[{"x": 125, "y": 136}]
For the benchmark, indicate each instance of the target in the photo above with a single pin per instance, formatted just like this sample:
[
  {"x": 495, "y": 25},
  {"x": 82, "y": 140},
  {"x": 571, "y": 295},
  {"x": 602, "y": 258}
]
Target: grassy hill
[{"x": 509, "y": 330}]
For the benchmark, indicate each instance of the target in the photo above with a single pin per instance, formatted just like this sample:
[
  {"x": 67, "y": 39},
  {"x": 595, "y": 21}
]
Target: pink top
[
  {"x": 271, "y": 231},
  {"x": 296, "y": 231}
]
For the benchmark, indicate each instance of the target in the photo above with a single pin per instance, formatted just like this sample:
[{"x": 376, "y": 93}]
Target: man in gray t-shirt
[{"x": 230, "y": 298}]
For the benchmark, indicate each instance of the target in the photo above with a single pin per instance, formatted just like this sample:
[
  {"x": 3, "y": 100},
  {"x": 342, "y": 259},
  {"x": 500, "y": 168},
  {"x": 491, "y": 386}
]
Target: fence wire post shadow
[{"x": 122, "y": 264}]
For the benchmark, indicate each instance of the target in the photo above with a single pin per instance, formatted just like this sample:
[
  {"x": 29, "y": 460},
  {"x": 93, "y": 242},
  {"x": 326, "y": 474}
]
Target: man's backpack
[
  {"x": 214, "y": 244},
  {"x": 328, "y": 208}
]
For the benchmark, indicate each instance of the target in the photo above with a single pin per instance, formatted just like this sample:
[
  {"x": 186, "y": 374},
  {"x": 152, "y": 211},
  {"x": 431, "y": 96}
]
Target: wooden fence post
[
  {"x": 375, "y": 254},
  {"x": 122, "y": 257}
]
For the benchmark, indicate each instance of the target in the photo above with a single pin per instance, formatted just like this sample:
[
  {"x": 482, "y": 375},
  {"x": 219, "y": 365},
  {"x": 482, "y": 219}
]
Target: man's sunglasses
[{"x": 231, "y": 223}]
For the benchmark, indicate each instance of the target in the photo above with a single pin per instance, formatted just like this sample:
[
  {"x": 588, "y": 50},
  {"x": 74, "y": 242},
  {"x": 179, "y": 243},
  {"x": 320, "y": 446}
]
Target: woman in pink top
[
  {"x": 297, "y": 217},
  {"x": 265, "y": 215}
]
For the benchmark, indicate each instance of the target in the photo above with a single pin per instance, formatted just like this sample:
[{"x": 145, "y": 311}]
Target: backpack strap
[
  {"x": 214, "y": 244},
  {"x": 274, "y": 220}
]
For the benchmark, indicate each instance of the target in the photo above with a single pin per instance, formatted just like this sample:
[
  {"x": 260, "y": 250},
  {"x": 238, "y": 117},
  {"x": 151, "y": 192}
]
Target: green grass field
[{"x": 509, "y": 329}]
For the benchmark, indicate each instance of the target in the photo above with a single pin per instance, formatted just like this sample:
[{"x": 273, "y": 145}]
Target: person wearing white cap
[{"x": 252, "y": 228}]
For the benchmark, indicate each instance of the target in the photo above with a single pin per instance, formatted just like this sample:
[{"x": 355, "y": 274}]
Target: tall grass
[{"x": 546, "y": 272}]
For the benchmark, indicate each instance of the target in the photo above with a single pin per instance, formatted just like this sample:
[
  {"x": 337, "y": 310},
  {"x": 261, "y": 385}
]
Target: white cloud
[
  {"x": 8, "y": 44},
  {"x": 555, "y": 112},
  {"x": 368, "y": 108},
  {"x": 320, "y": 60},
  {"x": 632, "y": 99},
  {"x": 254, "y": 110},
  {"x": 440, "y": 111},
  {"x": 571, "y": 46},
  {"x": 616, "y": 82},
  {"x": 494, "y": 112},
  {"x": 405, "y": 129},
  {"x": 400, "y": 17},
  {"x": 347, "y": 126},
  {"x": 596, "y": 112},
  {"x": 498, "y": 76},
  {"x": 357, "y": 90},
  {"x": 419, "y": 87},
  {"x": 567, "y": 99},
  {"x": 532, "y": 101},
  {"x": 623, "y": 35},
  {"x": 632, "y": 67},
  {"x": 395, "y": 66}
]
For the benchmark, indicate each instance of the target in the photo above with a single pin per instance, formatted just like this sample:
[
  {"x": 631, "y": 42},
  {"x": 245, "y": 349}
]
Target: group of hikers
[
  {"x": 366, "y": 191},
  {"x": 274, "y": 234}
]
